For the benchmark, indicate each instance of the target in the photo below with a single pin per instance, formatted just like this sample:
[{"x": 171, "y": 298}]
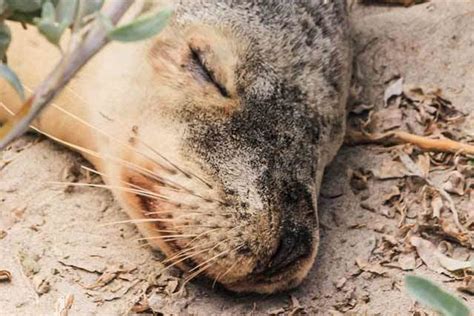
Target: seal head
[{"x": 248, "y": 108}]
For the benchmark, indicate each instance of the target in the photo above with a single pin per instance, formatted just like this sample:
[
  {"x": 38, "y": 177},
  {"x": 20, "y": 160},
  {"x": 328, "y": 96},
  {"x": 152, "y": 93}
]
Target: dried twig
[{"x": 400, "y": 137}]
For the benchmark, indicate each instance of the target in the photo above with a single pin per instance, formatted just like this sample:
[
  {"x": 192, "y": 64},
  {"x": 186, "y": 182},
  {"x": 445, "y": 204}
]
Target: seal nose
[{"x": 295, "y": 243}]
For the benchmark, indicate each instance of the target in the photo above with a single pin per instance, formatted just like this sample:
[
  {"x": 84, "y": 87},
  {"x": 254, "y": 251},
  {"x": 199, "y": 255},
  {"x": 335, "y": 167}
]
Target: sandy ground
[{"x": 55, "y": 245}]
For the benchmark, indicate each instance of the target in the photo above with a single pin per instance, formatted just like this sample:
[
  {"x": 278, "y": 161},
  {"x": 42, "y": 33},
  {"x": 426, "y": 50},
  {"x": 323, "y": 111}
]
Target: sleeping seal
[{"x": 214, "y": 135}]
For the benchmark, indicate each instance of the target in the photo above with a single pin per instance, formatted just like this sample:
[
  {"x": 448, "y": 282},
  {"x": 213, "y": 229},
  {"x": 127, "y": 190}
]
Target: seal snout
[{"x": 295, "y": 244}]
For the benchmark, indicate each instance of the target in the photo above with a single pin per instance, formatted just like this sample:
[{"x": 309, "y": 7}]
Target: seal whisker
[
  {"x": 206, "y": 249},
  {"x": 221, "y": 275},
  {"x": 200, "y": 235},
  {"x": 124, "y": 163},
  {"x": 140, "y": 188},
  {"x": 100, "y": 131},
  {"x": 181, "y": 258},
  {"x": 173, "y": 237},
  {"x": 197, "y": 273},
  {"x": 187, "y": 250},
  {"x": 187, "y": 174},
  {"x": 189, "y": 209},
  {"x": 201, "y": 226},
  {"x": 95, "y": 153},
  {"x": 209, "y": 262},
  {"x": 103, "y": 175},
  {"x": 178, "y": 211},
  {"x": 113, "y": 187},
  {"x": 167, "y": 231},
  {"x": 212, "y": 230},
  {"x": 141, "y": 220}
]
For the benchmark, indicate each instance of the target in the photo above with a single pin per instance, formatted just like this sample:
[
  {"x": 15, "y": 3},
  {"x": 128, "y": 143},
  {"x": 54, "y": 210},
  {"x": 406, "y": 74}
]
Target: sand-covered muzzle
[{"x": 249, "y": 235}]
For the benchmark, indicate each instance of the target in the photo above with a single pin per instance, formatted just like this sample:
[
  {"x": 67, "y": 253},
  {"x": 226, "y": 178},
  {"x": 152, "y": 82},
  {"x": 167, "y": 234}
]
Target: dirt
[{"x": 58, "y": 254}]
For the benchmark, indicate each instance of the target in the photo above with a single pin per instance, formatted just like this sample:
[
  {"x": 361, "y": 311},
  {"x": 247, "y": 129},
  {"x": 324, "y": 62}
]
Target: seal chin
[{"x": 283, "y": 280}]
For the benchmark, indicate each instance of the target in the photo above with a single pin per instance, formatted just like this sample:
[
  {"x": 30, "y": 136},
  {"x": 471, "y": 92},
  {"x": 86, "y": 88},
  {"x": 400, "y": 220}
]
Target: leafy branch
[{"x": 91, "y": 29}]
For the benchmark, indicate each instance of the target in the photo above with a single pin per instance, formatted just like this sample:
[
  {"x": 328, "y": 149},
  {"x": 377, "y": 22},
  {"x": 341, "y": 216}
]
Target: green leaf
[
  {"x": 12, "y": 79},
  {"x": 91, "y": 6},
  {"x": 65, "y": 12},
  {"x": 430, "y": 294},
  {"x": 47, "y": 24},
  {"x": 5, "y": 38},
  {"x": 25, "y": 6},
  {"x": 142, "y": 28},
  {"x": 48, "y": 12},
  {"x": 24, "y": 17}
]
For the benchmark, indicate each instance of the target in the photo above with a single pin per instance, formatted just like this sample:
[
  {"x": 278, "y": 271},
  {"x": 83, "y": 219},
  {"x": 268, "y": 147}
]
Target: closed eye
[{"x": 199, "y": 67}]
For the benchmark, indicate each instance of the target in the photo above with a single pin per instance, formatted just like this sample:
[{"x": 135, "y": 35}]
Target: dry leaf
[
  {"x": 386, "y": 119},
  {"x": 387, "y": 211},
  {"x": 390, "y": 239},
  {"x": 110, "y": 273},
  {"x": 64, "y": 304},
  {"x": 340, "y": 283},
  {"x": 390, "y": 169},
  {"x": 5, "y": 276},
  {"x": 446, "y": 248},
  {"x": 295, "y": 306},
  {"x": 394, "y": 89},
  {"x": 394, "y": 192},
  {"x": 29, "y": 263},
  {"x": 450, "y": 228},
  {"x": 434, "y": 259},
  {"x": 436, "y": 205},
  {"x": 374, "y": 268},
  {"x": 41, "y": 284},
  {"x": 423, "y": 163},
  {"x": 141, "y": 306},
  {"x": 411, "y": 166},
  {"x": 468, "y": 285},
  {"x": 407, "y": 261},
  {"x": 360, "y": 108},
  {"x": 455, "y": 183},
  {"x": 277, "y": 311},
  {"x": 414, "y": 93},
  {"x": 451, "y": 264},
  {"x": 171, "y": 287},
  {"x": 427, "y": 252},
  {"x": 358, "y": 179}
]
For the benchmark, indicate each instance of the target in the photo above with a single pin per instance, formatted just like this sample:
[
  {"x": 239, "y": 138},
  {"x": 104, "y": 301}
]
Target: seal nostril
[{"x": 295, "y": 242}]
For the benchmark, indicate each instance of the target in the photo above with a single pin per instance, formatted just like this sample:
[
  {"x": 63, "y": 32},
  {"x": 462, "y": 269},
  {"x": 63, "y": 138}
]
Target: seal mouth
[
  {"x": 195, "y": 231},
  {"x": 285, "y": 278},
  {"x": 210, "y": 245}
]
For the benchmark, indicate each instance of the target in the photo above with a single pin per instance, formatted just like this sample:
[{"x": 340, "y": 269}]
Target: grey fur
[{"x": 293, "y": 81}]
